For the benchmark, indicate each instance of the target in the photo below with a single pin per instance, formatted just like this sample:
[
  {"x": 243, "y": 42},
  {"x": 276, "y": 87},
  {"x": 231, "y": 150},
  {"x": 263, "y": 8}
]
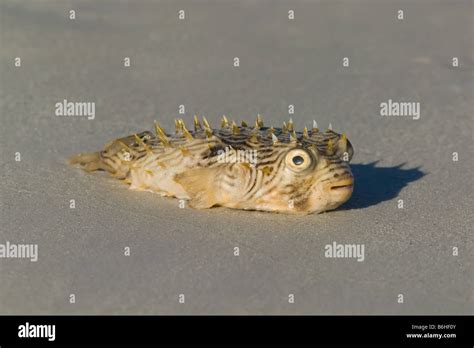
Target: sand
[{"x": 173, "y": 251}]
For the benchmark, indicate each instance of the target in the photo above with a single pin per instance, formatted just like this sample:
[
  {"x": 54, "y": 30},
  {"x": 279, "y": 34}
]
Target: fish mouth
[{"x": 343, "y": 185}]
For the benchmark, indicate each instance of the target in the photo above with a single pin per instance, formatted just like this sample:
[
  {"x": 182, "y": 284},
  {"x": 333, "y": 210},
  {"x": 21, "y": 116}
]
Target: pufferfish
[{"x": 242, "y": 167}]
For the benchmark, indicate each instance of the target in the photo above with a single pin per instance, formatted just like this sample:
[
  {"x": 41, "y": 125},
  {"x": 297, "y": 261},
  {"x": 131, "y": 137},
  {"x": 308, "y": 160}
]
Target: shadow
[{"x": 374, "y": 185}]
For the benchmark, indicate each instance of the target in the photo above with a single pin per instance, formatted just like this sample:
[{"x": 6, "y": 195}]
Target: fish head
[{"x": 309, "y": 175}]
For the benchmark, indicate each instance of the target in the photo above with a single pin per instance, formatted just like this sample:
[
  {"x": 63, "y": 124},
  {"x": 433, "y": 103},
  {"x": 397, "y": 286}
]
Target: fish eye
[{"x": 298, "y": 160}]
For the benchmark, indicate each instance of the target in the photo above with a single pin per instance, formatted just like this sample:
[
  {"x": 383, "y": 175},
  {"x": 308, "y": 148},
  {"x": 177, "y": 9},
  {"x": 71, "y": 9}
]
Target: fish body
[{"x": 235, "y": 166}]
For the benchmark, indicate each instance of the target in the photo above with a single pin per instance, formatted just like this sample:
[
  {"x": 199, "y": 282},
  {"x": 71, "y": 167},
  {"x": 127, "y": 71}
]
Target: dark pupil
[{"x": 298, "y": 160}]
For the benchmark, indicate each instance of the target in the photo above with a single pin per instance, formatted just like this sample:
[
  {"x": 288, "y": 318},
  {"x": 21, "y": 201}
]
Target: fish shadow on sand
[{"x": 374, "y": 185}]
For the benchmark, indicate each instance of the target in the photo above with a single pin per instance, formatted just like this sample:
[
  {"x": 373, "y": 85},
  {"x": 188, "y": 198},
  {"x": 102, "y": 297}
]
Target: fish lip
[
  {"x": 341, "y": 188},
  {"x": 347, "y": 184}
]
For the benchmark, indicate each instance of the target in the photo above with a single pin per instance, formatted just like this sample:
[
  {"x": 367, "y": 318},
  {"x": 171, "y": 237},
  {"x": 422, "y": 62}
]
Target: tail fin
[
  {"x": 117, "y": 156},
  {"x": 90, "y": 161}
]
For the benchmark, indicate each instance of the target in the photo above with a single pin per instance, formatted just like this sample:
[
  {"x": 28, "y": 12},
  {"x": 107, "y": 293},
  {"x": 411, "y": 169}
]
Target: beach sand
[{"x": 189, "y": 62}]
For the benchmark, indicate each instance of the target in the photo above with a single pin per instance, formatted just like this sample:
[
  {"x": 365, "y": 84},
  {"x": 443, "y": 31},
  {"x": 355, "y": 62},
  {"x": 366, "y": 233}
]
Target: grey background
[{"x": 190, "y": 62}]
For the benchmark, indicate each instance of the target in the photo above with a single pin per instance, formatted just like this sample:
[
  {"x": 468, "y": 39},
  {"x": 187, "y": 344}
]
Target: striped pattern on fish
[{"x": 235, "y": 166}]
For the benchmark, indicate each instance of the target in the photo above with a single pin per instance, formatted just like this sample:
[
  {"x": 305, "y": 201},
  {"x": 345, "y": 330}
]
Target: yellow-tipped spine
[{"x": 160, "y": 133}]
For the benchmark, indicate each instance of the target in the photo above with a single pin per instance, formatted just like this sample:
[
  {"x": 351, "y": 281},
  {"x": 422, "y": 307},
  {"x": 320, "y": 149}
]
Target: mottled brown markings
[{"x": 172, "y": 151}]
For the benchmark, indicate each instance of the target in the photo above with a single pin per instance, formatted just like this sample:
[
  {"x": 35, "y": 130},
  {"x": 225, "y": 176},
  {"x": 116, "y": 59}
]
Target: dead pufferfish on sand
[{"x": 240, "y": 167}]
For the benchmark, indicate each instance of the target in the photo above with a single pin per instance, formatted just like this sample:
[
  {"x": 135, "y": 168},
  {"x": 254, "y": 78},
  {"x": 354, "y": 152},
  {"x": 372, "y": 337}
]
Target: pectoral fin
[{"x": 199, "y": 185}]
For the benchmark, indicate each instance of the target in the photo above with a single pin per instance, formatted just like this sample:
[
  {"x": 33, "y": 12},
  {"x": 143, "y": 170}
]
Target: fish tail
[
  {"x": 117, "y": 156},
  {"x": 91, "y": 161}
]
